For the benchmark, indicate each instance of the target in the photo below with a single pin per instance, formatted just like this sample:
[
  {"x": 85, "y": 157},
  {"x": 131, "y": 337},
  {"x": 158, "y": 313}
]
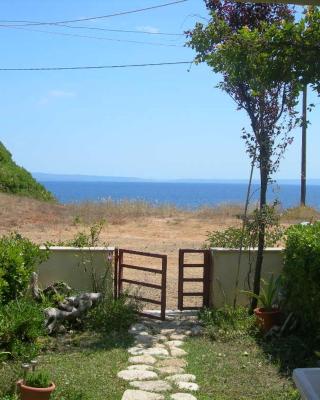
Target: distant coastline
[{"x": 46, "y": 177}]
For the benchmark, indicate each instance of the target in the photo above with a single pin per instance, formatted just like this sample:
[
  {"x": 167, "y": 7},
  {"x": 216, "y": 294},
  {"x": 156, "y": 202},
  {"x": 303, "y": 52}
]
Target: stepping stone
[
  {"x": 142, "y": 360},
  {"x": 167, "y": 331},
  {"x": 181, "y": 378},
  {"x": 141, "y": 395},
  {"x": 140, "y": 367},
  {"x": 174, "y": 343},
  {"x": 136, "y": 351},
  {"x": 155, "y": 351},
  {"x": 143, "y": 339},
  {"x": 172, "y": 362},
  {"x": 193, "y": 387},
  {"x": 176, "y": 352},
  {"x": 137, "y": 328},
  {"x": 160, "y": 337},
  {"x": 152, "y": 386},
  {"x": 170, "y": 370},
  {"x": 182, "y": 396},
  {"x": 177, "y": 336},
  {"x": 136, "y": 375}
]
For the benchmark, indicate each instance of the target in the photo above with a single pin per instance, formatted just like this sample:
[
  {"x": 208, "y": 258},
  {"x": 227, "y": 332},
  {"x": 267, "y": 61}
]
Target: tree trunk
[
  {"x": 264, "y": 175},
  {"x": 304, "y": 148}
]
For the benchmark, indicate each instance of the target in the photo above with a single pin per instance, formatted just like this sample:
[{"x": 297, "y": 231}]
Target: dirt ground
[{"x": 163, "y": 234}]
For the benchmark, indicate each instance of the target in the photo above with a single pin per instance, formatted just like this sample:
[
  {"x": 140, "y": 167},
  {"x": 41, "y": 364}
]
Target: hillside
[{"x": 17, "y": 180}]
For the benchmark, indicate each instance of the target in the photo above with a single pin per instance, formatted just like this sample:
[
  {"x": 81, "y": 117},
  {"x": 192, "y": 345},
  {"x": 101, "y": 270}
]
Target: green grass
[
  {"x": 84, "y": 363},
  {"x": 237, "y": 370}
]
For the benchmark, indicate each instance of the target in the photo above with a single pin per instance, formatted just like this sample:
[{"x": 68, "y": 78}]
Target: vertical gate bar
[
  {"x": 120, "y": 262},
  {"x": 180, "y": 280},
  {"x": 115, "y": 274},
  {"x": 206, "y": 287},
  {"x": 164, "y": 288},
  {"x": 210, "y": 277}
]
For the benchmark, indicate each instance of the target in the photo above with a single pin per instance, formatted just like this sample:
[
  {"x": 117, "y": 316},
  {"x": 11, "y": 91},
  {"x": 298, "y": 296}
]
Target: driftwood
[{"x": 70, "y": 309}]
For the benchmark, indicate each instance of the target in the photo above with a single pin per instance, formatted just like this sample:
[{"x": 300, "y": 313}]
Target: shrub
[
  {"x": 248, "y": 237},
  {"x": 302, "y": 275},
  {"x": 113, "y": 315},
  {"x": 227, "y": 323},
  {"x": 21, "y": 323},
  {"x": 18, "y": 257}
]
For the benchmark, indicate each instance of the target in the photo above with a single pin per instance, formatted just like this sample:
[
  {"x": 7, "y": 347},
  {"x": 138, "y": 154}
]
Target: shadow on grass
[{"x": 290, "y": 352}]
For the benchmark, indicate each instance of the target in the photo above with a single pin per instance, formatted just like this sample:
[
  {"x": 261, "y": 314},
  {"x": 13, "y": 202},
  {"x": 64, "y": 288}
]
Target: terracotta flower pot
[
  {"x": 32, "y": 393},
  {"x": 267, "y": 319}
]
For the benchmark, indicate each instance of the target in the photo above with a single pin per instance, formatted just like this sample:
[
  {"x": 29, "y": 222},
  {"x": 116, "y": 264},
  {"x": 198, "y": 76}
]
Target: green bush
[
  {"x": 21, "y": 324},
  {"x": 18, "y": 257},
  {"x": 302, "y": 275},
  {"x": 227, "y": 323},
  {"x": 113, "y": 315}
]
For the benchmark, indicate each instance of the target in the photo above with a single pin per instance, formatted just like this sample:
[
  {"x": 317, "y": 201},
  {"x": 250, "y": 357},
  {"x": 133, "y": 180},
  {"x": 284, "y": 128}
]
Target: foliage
[
  {"x": 21, "y": 324},
  {"x": 74, "y": 395},
  {"x": 302, "y": 275},
  {"x": 227, "y": 323},
  {"x": 18, "y": 257},
  {"x": 38, "y": 379},
  {"x": 269, "y": 293},
  {"x": 247, "y": 237},
  {"x": 113, "y": 315},
  {"x": 16, "y": 180}
]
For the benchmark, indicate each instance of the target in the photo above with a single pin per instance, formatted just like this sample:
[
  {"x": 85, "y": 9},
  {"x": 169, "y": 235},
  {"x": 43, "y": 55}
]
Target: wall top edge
[
  {"x": 63, "y": 248},
  {"x": 230, "y": 250}
]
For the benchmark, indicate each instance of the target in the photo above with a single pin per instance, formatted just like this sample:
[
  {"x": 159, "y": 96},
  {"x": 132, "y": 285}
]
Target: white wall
[
  {"x": 224, "y": 272},
  {"x": 74, "y": 266}
]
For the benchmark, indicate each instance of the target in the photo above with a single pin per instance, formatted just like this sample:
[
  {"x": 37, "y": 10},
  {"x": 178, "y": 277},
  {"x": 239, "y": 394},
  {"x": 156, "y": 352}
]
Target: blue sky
[{"x": 159, "y": 122}]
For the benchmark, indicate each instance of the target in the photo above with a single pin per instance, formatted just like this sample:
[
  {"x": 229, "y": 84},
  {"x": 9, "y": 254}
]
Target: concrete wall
[
  {"x": 225, "y": 265},
  {"x": 74, "y": 266}
]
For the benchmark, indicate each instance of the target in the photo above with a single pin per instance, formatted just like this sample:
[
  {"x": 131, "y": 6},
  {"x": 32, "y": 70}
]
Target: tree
[{"x": 233, "y": 44}]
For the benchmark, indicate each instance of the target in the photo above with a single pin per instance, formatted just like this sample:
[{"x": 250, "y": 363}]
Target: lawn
[
  {"x": 237, "y": 369},
  {"x": 83, "y": 366}
]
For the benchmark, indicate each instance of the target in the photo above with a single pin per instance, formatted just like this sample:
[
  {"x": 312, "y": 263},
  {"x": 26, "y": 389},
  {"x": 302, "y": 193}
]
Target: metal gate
[
  {"x": 120, "y": 278},
  {"x": 205, "y": 279}
]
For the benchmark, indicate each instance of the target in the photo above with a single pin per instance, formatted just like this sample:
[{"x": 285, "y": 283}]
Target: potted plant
[
  {"x": 35, "y": 385},
  {"x": 268, "y": 314}
]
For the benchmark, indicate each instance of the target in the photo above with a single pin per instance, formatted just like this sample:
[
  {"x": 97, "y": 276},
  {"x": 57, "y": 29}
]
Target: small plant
[
  {"x": 39, "y": 379},
  {"x": 269, "y": 294}
]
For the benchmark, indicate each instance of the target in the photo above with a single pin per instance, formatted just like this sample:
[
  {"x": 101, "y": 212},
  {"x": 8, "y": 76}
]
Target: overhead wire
[
  {"x": 88, "y": 67},
  {"x": 29, "y": 23}
]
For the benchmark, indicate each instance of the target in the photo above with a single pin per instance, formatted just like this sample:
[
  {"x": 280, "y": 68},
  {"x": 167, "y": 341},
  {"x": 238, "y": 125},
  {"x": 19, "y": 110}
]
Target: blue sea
[{"x": 182, "y": 195}]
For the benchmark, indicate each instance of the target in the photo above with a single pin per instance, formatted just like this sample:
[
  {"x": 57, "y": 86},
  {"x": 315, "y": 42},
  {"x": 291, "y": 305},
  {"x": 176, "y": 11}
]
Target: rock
[
  {"x": 182, "y": 396},
  {"x": 141, "y": 367},
  {"x": 133, "y": 375},
  {"x": 193, "y": 387},
  {"x": 172, "y": 362},
  {"x": 160, "y": 338},
  {"x": 141, "y": 395},
  {"x": 146, "y": 359},
  {"x": 155, "y": 351},
  {"x": 196, "y": 330},
  {"x": 170, "y": 370},
  {"x": 174, "y": 343},
  {"x": 167, "y": 331},
  {"x": 177, "y": 336},
  {"x": 136, "y": 350},
  {"x": 176, "y": 352},
  {"x": 152, "y": 386},
  {"x": 181, "y": 378},
  {"x": 137, "y": 328}
]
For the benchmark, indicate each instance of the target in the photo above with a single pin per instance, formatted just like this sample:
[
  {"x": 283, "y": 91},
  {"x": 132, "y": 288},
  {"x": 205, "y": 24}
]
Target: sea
[{"x": 181, "y": 195}]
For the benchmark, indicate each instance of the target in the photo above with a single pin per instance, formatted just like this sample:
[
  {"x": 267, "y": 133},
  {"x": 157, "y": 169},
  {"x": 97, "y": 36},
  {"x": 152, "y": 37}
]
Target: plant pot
[
  {"x": 267, "y": 319},
  {"x": 32, "y": 393}
]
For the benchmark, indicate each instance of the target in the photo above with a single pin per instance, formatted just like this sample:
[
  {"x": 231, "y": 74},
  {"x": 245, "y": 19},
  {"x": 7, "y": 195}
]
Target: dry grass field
[{"x": 129, "y": 225}]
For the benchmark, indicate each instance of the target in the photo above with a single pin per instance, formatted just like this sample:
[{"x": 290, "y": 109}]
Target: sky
[{"x": 164, "y": 122}]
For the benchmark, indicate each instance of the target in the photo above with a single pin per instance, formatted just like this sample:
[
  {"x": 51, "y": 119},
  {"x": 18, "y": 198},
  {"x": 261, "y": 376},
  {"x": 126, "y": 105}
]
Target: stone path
[{"x": 157, "y": 360}]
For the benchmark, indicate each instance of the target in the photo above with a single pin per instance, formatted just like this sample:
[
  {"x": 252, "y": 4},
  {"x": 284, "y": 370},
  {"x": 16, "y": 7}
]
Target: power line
[
  {"x": 29, "y": 23},
  {"x": 97, "y": 66},
  {"x": 95, "y": 37}
]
